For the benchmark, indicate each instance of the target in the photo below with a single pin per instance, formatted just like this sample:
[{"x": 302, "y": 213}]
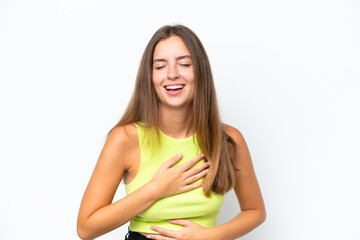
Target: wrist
[
  {"x": 153, "y": 191},
  {"x": 211, "y": 232}
]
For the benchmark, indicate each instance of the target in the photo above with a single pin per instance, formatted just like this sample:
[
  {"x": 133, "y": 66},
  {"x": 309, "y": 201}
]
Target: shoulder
[
  {"x": 234, "y": 133},
  {"x": 242, "y": 159},
  {"x": 125, "y": 134},
  {"x": 122, "y": 143}
]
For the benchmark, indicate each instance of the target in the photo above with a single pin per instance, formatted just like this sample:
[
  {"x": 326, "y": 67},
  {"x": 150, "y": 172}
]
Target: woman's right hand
[{"x": 169, "y": 180}]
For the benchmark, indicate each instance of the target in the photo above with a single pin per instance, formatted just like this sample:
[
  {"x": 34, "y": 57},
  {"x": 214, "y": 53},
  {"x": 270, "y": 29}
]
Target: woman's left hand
[{"x": 191, "y": 231}]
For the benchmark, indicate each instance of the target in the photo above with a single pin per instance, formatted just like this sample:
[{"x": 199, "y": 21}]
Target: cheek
[
  {"x": 188, "y": 75},
  {"x": 155, "y": 81},
  {"x": 190, "y": 78},
  {"x": 158, "y": 78}
]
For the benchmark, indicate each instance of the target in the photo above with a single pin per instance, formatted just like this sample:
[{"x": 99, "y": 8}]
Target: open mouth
[{"x": 174, "y": 87}]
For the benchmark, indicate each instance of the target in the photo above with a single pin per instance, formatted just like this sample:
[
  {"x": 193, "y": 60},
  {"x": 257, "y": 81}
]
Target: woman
[{"x": 176, "y": 158}]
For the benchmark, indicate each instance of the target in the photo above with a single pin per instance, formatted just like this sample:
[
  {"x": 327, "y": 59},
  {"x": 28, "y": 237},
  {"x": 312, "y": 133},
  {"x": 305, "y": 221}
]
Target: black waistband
[{"x": 135, "y": 236}]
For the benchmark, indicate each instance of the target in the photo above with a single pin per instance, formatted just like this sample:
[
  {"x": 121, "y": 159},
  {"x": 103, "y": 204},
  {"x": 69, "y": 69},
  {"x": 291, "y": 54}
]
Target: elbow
[
  {"x": 83, "y": 233},
  {"x": 258, "y": 216},
  {"x": 261, "y": 216}
]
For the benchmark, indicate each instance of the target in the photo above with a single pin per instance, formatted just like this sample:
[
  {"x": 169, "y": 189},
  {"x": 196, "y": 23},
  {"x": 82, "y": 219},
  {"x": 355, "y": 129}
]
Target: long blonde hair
[{"x": 218, "y": 147}]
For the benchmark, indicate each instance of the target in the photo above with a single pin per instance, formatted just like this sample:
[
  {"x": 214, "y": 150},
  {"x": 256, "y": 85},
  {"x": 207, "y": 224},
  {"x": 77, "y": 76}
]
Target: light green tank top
[{"x": 192, "y": 205}]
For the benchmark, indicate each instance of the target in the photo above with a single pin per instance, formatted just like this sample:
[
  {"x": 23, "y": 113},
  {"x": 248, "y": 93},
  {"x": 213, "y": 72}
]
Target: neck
[{"x": 176, "y": 123}]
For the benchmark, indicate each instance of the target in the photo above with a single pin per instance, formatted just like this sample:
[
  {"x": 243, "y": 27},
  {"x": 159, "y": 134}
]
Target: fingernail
[
  {"x": 202, "y": 155},
  {"x": 179, "y": 155},
  {"x": 152, "y": 228}
]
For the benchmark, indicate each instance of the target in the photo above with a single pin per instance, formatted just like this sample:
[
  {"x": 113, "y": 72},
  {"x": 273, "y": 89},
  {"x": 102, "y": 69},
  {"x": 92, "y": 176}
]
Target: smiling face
[{"x": 173, "y": 73}]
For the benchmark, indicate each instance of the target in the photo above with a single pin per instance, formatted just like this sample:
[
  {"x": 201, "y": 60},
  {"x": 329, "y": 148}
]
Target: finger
[
  {"x": 164, "y": 232},
  {"x": 196, "y": 177},
  {"x": 197, "y": 169},
  {"x": 192, "y": 186},
  {"x": 173, "y": 160},
  {"x": 182, "y": 222},
  {"x": 192, "y": 162}
]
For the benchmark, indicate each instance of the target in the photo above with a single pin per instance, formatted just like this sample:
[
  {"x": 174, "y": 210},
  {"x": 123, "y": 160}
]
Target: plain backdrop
[{"x": 287, "y": 75}]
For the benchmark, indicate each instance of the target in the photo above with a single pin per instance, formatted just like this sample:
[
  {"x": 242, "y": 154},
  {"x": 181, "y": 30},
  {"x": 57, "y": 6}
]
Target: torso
[{"x": 191, "y": 205}]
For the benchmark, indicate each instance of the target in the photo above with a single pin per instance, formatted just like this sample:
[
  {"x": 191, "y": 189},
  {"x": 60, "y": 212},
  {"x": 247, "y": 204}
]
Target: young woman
[{"x": 176, "y": 158}]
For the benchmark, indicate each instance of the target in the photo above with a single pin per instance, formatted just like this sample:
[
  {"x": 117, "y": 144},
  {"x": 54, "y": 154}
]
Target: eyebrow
[{"x": 178, "y": 58}]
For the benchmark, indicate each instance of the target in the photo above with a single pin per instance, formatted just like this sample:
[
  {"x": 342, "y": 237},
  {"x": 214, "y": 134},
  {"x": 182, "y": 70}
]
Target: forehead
[{"x": 173, "y": 46}]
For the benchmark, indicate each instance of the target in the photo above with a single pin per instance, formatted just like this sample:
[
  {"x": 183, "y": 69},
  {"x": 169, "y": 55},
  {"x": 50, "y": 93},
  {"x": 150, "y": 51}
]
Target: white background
[{"x": 287, "y": 75}]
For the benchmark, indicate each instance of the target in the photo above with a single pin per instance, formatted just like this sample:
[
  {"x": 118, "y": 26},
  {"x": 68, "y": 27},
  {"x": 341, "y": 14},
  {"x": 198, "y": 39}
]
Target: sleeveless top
[{"x": 192, "y": 205}]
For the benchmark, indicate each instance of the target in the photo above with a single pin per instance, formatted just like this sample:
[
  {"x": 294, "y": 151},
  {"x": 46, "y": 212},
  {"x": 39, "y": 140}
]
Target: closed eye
[
  {"x": 159, "y": 67},
  {"x": 185, "y": 65}
]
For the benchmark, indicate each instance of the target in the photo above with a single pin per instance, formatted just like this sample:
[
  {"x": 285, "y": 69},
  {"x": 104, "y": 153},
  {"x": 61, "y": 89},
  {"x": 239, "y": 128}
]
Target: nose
[{"x": 173, "y": 72}]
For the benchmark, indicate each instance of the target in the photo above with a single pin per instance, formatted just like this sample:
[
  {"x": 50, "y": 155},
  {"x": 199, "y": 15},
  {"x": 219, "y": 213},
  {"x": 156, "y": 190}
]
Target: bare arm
[
  {"x": 248, "y": 194},
  {"x": 98, "y": 215}
]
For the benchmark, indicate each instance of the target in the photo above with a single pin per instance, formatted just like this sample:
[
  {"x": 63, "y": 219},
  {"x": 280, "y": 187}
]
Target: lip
[{"x": 174, "y": 92}]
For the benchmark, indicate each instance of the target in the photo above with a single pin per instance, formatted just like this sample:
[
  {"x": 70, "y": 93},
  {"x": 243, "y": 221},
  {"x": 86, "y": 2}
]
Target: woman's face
[{"x": 173, "y": 73}]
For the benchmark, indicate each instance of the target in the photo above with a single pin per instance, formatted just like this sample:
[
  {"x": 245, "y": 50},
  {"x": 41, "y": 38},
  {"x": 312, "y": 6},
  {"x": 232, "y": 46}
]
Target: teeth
[{"x": 174, "y": 87}]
